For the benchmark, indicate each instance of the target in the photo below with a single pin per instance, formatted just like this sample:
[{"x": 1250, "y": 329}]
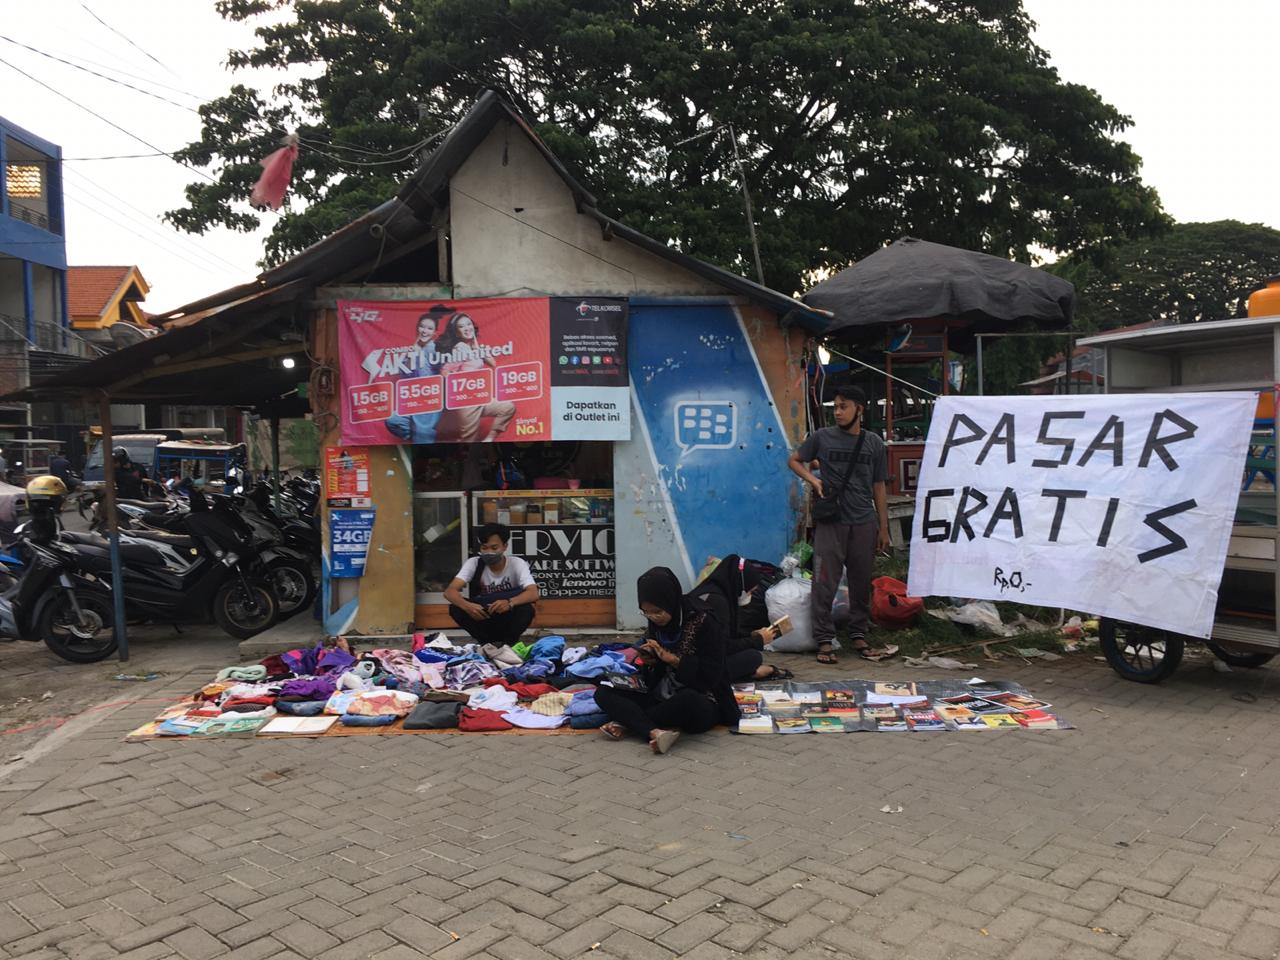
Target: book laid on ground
[
  {"x": 756, "y": 724},
  {"x": 924, "y": 721},
  {"x": 974, "y": 704},
  {"x": 826, "y": 724},
  {"x": 790, "y": 710},
  {"x": 806, "y": 696},
  {"x": 839, "y": 701},
  {"x": 772, "y": 694},
  {"x": 892, "y": 726},
  {"x": 748, "y": 709},
  {"x": 970, "y": 723},
  {"x": 299, "y": 725},
  {"x": 1016, "y": 701},
  {"x": 1036, "y": 720},
  {"x": 793, "y": 725},
  {"x": 953, "y": 711},
  {"x": 1001, "y": 721},
  {"x": 913, "y": 701},
  {"x": 882, "y": 712}
]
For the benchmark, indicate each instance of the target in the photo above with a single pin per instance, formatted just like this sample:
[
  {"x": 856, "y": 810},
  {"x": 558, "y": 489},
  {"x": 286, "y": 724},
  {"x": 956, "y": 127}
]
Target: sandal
[
  {"x": 828, "y": 655},
  {"x": 613, "y": 730},
  {"x": 869, "y": 653},
  {"x": 664, "y": 740},
  {"x": 779, "y": 674}
]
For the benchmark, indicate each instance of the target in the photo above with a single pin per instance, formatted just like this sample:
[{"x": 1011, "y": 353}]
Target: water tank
[{"x": 1266, "y": 302}]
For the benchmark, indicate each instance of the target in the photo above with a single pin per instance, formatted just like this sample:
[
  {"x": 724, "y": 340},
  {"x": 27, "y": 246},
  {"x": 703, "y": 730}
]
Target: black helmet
[{"x": 120, "y": 455}]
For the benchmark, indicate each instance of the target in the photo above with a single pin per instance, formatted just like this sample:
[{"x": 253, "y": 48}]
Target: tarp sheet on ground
[{"x": 1118, "y": 505}]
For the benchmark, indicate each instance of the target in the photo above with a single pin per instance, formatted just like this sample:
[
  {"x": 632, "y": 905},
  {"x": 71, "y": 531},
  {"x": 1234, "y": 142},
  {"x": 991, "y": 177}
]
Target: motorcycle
[
  {"x": 58, "y": 601},
  {"x": 208, "y": 571}
]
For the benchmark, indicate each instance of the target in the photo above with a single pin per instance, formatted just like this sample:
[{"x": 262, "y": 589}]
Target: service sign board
[
  {"x": 569, "y": 561},
  {"x": 346, "y": 475},
  {"x": 466, "y": 371},
  {"x": 350, "y": 532},
  {"x": 1120, "y": 505}
]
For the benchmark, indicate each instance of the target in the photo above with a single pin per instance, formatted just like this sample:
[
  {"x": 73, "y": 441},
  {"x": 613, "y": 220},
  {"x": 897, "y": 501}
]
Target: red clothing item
[
  {"x": 478, "y": 721},
  {"x": 525, "y": 691},
  {"x": 247, "y": 701}
]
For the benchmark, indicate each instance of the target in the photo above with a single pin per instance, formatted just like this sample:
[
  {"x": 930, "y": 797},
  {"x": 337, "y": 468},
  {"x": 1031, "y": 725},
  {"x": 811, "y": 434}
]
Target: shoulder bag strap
[{"x": 853, "y": 464}]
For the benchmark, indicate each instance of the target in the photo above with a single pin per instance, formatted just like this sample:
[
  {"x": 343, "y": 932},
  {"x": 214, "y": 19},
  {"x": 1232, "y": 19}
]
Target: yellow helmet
[{"x": 46, "y": 488}]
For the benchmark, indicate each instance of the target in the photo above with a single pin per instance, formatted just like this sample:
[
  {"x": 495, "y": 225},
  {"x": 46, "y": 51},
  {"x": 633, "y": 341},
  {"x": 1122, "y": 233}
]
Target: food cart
[{"x": 1205, "y": 357}]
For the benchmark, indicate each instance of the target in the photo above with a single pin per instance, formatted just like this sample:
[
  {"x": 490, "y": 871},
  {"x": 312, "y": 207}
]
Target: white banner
[{"x": 1119, "y": 505}]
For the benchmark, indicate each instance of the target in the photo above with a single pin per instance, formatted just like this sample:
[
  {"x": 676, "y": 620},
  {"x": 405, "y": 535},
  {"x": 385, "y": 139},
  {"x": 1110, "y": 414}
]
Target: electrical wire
[
  {"x": 127, "y": 38},
  {"x": 110, "y": 123},
  {"x": 119, "y": 156},
  {"x": 168, "y": 233},
  {"x": 869, "y": 366},
  {"x": 97, "y": 74}
]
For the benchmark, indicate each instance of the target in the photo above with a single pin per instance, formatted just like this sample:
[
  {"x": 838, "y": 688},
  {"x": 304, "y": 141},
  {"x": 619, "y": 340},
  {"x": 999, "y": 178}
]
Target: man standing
[
  {"x": 852, "y": 524},
  {"x": 500, "y": 591}
]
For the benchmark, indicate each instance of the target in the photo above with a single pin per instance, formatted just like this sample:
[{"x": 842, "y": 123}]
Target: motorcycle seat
[
  {"x": 176, "y": 540},
  {"x": 129, "y": 552}
]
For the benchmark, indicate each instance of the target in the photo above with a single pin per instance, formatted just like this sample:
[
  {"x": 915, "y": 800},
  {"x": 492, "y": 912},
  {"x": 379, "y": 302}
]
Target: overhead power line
[
  {"x": 111, "y": 123},
  {"x": 127, "y": 39},
  {"x": 104, "y": 76}
]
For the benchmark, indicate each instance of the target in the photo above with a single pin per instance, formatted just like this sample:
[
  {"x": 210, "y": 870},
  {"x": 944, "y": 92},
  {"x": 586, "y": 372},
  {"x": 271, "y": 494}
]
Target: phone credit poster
[{"x": 484, "y": 370}]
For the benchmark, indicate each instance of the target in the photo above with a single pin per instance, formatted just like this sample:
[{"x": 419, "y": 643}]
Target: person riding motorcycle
[
  {"x": 130, "y": 477},
  {"x": 45, "y": 496}
]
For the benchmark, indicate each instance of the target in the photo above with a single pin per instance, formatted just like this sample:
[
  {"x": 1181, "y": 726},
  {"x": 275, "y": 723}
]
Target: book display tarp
[
  {"x": 466, "y": 371},
  {"x": 1121, "y": 505}
]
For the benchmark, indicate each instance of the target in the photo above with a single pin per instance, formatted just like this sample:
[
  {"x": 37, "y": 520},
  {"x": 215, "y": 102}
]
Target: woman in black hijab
[
  {"x": 734, "y": 592},
  {"x": 681, "y": 666}
]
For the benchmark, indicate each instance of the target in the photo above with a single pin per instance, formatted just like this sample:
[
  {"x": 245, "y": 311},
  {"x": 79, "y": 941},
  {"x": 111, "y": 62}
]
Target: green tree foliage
[
  {"x": 1194, "y": 272},
  {"x": 858, "y": 121}
]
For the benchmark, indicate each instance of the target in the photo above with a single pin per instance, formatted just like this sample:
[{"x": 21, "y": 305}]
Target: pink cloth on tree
[{"x": 277, "y": 169}]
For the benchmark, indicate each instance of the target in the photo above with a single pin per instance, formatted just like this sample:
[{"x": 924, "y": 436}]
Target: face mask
[
  {"x": 491, "y": 559},
  {"x": 744, "y": 599}
]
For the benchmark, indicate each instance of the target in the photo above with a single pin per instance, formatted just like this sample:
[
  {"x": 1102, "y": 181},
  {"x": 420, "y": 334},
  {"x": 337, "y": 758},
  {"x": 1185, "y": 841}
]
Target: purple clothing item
[
  {"x": 468, "y": 673},
  {"x": 313, "y": 688},
  {"x": 317, "y": 660}
]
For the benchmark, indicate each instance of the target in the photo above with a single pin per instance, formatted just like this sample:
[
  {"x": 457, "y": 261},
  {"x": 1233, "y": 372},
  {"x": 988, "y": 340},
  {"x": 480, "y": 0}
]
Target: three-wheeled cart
[{"x": 1206, "y": 357}]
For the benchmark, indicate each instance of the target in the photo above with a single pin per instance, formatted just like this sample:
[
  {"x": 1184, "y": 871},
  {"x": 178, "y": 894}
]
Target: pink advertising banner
[{"x": 479, "y": 371}]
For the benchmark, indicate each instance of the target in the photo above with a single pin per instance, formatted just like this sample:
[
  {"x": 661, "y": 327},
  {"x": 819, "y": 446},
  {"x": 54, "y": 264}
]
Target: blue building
[{"x": 33, "y": 259}]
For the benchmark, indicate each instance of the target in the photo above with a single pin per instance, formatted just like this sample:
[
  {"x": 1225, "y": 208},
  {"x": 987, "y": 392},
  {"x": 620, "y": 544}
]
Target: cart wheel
[
  {"x": 1138, "y": 653},
  {"x": 1249, "y": 660}
]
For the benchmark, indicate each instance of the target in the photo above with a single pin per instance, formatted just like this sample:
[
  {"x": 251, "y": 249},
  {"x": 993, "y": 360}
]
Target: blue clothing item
[
  {"x": 588, "y": 721},
  {"x": 303, "y": 708},
  {"x": 548, "y": 648},
  {"x": 466, "y": 657},
  {"x": 599, "y": 666},
  {"x": 582, "y": 704},
  {"x": 529, "y": 670},
  {"x": 427, "y": 655},
  {"x": 419, "y": 428},
  {"x": 360, "y": 720},
  {"x": 608, "y": 647},
  {"x": 668, "y": 638}
]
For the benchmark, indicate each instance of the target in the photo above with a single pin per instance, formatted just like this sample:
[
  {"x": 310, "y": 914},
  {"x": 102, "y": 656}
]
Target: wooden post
[
  {"x": 113, "y": 530},
  {"x": 275, "y": 461}
]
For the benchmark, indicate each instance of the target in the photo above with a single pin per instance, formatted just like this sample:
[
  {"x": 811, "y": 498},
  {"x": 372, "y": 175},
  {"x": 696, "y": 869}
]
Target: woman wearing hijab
[
  {"x": 682, "y": 665},
  {"x": 734, "y": 592}
]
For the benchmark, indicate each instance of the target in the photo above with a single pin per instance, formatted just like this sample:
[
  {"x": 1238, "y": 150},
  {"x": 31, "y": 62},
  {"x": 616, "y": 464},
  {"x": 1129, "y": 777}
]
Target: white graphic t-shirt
[{"x": 515, "y": 576}]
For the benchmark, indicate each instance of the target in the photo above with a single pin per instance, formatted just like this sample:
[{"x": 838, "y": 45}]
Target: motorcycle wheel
[
  {"x": 294, "y": 585},
  {"x": 86, "y": 642},
  {"x": 243, "y": 612}
]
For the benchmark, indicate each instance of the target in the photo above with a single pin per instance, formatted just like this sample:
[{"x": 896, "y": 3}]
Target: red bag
[{"x": 890, "y": 605}]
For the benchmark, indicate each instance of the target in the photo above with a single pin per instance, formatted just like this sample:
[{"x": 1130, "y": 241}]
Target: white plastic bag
[{"x": 790, "y": 598}]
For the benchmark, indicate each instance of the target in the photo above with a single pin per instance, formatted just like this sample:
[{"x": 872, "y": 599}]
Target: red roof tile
[{"x": 90, "y": 289}]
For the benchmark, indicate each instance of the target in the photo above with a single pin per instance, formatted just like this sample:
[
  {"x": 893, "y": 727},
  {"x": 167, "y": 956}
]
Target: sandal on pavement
[
  {"x": 779, "y": 674},
  {"x": 828, "y": 655},
  {"x": 664, "y": 740},
  {"x": 874, "y": 655},
  {"x": 613, "y": 730}
]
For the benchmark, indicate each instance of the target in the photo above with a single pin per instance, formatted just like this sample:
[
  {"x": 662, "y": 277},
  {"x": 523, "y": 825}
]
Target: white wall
[{"x": 514, "y": 230}]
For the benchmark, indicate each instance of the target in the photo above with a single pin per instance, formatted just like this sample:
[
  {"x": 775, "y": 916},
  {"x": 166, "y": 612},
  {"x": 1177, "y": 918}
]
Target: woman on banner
[
  {"x": 461, "y": 340},
  {"x": 682, "y": 686},
  {"x": 421, "y": 427}
]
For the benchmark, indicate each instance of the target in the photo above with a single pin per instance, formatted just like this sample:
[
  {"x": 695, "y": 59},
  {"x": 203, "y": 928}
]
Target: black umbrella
[{"x": 915, "y": 280}]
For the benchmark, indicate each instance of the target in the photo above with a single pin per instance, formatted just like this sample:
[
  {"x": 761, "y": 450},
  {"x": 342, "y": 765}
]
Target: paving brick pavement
[{"x": 1149, "y": 833}]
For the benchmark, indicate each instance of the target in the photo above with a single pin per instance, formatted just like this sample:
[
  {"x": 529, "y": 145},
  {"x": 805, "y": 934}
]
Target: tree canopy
[
  {"x": 857, "y": 121},
  {"x": 1194, "y": 272}
]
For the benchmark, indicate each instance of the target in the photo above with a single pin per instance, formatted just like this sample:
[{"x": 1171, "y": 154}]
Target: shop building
[{"x": 690, "y": 463}]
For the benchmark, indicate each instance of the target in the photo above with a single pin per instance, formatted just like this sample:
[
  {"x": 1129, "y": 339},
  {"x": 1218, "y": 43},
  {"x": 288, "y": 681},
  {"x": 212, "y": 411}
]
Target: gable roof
[
  {"x": 404, "y": 217},
  {"x": 91, "y": 290}
]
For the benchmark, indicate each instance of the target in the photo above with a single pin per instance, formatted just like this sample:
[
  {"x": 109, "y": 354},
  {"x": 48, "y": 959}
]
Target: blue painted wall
[
  {"x": 23, "y": 240},
  {"x": 705, "y": 472}
]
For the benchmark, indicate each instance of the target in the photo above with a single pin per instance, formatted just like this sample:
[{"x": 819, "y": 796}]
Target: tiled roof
[{"x": 90, "y": 289}]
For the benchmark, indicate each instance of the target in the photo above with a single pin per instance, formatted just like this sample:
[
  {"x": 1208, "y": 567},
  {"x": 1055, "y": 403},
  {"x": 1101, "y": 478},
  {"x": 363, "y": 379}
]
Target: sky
[{"x": 1194, "y": 76}]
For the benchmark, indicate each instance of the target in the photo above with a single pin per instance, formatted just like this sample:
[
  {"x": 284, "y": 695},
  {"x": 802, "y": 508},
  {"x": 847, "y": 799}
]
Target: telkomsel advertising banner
[
  {"x": 478, "y": 371},
  {"x": 1118, "y": 505}
]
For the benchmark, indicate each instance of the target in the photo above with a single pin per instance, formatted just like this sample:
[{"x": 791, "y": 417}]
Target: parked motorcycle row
[{"x": 243, "y": 560}]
